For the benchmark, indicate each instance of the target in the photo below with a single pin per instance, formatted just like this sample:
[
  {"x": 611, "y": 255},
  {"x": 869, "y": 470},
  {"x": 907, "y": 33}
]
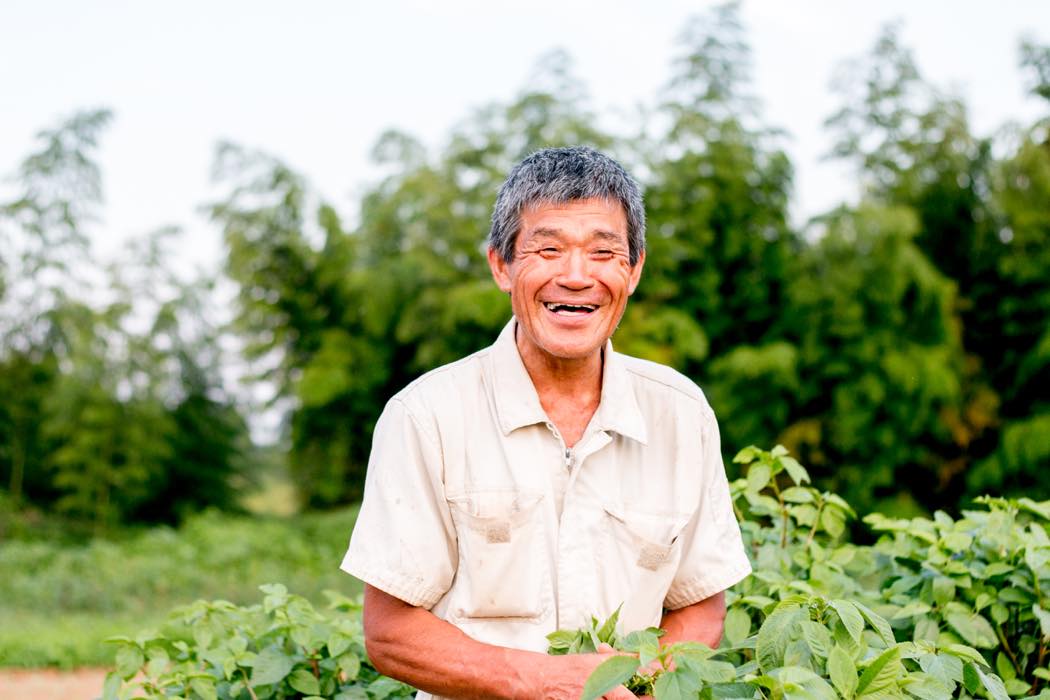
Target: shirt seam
[
  {"x": 432, "y": 439},
  {"x": 701, "y": 399},
  {"x": 404, "y": 588},
  {"x": 701, "y": 588}
]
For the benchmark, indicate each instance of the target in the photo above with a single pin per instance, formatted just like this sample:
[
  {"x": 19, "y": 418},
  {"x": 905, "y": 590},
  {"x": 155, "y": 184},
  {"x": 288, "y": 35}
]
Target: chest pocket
[
  {"x": 502, "y": 568},
  {"x": 641, "y": 552}
]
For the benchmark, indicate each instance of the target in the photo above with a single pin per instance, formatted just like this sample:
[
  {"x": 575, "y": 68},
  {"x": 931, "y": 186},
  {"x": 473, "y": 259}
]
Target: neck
[{"x": 565, "y": 386}]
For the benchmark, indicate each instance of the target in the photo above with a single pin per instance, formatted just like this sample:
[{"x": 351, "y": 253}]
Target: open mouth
[{"x": 570, "y": 309}]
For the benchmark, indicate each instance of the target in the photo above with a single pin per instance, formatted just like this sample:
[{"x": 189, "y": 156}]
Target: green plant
[
  {"x": 281, "y": 648},
  {"x": 935, "y": 609}
]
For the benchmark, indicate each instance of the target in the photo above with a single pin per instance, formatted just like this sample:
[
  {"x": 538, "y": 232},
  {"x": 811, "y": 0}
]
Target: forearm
[
  {"x": 414, "y": 646},
  {"x": 699, "y": 622}
]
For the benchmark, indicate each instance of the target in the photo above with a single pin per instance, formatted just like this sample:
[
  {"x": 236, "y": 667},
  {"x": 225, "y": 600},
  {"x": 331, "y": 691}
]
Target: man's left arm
[
  {"x": 713, "y": 556},
  {"x": 699, "y": 622}
]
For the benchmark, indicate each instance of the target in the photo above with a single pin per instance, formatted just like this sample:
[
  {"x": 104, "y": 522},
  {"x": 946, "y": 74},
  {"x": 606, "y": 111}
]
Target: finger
[
  {"x": 620, "y": 693},
  {"x": 604, "y": 648}
]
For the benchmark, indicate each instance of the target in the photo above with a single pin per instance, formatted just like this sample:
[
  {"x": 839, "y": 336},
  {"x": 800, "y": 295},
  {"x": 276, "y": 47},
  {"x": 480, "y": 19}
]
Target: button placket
[{"x": 573, "y": 561}]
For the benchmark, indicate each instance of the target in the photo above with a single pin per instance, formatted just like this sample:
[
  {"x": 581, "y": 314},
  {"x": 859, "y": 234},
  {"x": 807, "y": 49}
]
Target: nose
[{"x": 575, "y": 272}]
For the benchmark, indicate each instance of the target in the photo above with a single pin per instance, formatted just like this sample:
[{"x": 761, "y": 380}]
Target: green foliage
[
  {"x": 936, "y": 609},
  {"x": 281, "y": 648},
  {"x": 109, "y": 407}
]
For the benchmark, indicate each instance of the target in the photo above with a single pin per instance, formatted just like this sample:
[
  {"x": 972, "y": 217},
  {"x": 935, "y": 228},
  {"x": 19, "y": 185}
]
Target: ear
[
  {"x": 636, "y": 273},
  {"x": 500, "y": 273}
]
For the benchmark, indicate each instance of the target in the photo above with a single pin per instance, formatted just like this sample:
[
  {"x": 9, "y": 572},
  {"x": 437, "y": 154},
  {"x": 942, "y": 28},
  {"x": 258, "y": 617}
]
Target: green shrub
[{"x": 282, "y": 648}]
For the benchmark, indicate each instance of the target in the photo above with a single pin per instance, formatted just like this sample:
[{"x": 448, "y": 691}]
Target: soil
[{"x": 50, "y": 684}]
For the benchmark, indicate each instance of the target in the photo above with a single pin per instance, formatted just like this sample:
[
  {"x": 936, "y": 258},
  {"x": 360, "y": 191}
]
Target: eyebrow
[{"x": 601, "y": 234}]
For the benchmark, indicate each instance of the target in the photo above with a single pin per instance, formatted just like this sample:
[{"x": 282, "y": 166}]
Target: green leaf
[
  {"x": 350, "y": 665},
  {"x": 797, "y": 494},
  {"x": 679, "y": 684},
  {"x": 993, "y": 685},
  {"x": 1038, "y": 559},
  {"x": 613, "y": 672},
  {"x": 737, "y": 626},
  {"x": 561, "y": 641},
  {"x": 926, "y": 628},
  {"x": 912, "y": 609},
  {"x": 129, "y": 661},
  {"x": 881, "y": 673},
  {"x": 1015, "y": 688},
  {"x": 607, "y": 633},
  {"x": 648, "y": 652},
  {"x": 774, "y": 635},
  {"x": 747, "y": 455},
  {"x": 964, "y": 652},
  {"x": 338, "y": 643},
  {"x": 1044, "y": 620},
  {"x": 842, "y": 671},
  {"x": 1004, "y": 668},
  {"x": 945, "y": 668},
  {"x": 879, "y": 624},
  {"x": 758, "y": 476},
  {"x": 304, "y": 681},
  {"x": 926, "y": 687},
  {"x": 833, "y": 521},
  {"x": 205, "y": 688},
  {"x": 710, "y": 671},
  {"x": 971, "y": 679},
  {"x": 732, "y": 691},
  {"x": 997, "y": 569},
  {"x": 355, "y": 692},
  {"x": 973, "y": 628},
  {"x": 795, "y": 470},
  {"x": 817, "y": 637},
  {"x": 270, "y": 666},
  {"x": 850, "y": 617},
  {"x": 111, "y": 686},
  {"x": 634, "y": 641},
  {"x": 943, "y": 590}
]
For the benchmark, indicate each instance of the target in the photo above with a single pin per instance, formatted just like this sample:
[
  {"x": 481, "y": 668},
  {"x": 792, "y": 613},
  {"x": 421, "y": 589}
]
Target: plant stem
[
  {"x": 248, "y": 686},
  {"x": 1038, "y": 664},
  {"x": 816, "y": 523},
  {"x": 1008, "y": 650}
]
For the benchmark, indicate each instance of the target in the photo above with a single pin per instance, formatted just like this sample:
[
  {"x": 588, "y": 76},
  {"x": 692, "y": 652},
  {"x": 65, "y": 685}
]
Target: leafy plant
[
  {"x": 935, "y": 609},
  {"x": 281, "y": 648}
]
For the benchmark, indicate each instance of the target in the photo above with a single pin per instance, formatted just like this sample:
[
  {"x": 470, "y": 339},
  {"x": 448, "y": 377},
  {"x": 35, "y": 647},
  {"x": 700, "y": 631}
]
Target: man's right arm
[{"x": 415, "y": 646}]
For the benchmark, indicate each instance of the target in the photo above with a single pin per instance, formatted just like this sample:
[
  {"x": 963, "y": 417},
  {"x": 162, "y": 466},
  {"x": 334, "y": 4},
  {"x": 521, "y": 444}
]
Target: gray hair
[{"x": 559, "y": 175}]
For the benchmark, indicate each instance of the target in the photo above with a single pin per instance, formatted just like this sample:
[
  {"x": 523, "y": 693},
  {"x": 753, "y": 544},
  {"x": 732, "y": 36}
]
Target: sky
[{"x": 316, "y": 82}]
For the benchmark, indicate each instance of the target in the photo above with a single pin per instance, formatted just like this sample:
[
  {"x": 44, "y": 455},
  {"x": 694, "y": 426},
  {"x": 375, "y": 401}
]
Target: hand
[{"x": 563, "y": 677}]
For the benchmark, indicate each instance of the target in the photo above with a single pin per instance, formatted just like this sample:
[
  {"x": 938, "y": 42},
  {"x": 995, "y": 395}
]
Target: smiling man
[{"x": 546, "y": 478}]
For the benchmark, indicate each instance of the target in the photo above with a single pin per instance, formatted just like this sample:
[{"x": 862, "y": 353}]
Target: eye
[
  {"x": 549, "y": 252},
  {"x": 602, "y": 254}
]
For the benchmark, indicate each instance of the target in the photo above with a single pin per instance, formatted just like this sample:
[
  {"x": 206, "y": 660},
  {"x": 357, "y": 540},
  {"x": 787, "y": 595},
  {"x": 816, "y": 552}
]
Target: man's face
[{"x": 570, "y": 277}]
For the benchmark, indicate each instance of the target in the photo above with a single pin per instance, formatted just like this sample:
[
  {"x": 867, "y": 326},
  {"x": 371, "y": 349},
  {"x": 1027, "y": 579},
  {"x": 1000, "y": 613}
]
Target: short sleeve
[
  {"x": 713, "y": 555},
  {"x": 404, "y": 540}
]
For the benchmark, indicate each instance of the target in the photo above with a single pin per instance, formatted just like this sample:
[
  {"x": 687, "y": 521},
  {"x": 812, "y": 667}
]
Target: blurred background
[{"x": 230, "y": 232}]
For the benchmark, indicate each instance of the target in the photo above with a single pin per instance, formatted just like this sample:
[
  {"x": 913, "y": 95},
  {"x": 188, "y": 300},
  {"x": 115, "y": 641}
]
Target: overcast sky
[{"x": 316, "y": 82}]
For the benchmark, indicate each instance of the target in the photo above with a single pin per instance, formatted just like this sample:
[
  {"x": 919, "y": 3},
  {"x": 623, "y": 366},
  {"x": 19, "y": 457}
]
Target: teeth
[{"x": 557, "y": 307}]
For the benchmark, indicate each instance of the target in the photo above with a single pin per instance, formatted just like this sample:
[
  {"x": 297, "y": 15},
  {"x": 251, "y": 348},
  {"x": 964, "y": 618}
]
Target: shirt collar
[{"x": 518, "y": 405}]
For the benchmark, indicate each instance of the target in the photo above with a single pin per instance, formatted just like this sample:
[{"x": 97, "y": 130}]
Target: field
[{"x": 58, "y": 602}]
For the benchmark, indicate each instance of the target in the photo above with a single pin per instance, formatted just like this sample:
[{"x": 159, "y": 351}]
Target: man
[{"x": 546, "y": 478}]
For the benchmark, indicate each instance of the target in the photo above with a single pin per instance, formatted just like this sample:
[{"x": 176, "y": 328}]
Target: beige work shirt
[{"x": 475, "y": 509}]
